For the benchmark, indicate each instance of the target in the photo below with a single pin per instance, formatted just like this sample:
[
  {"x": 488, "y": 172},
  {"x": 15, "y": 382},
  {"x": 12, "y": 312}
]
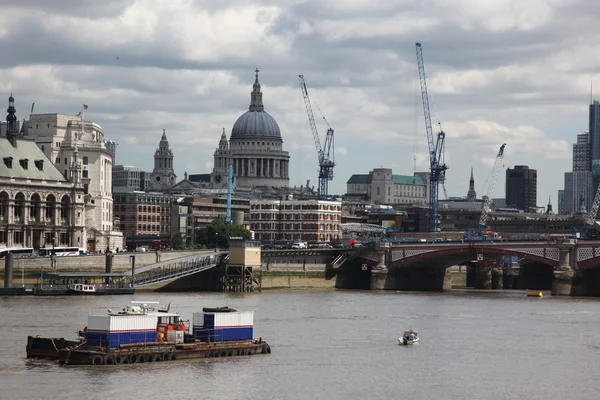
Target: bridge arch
[{"x": 446, "y": 257}]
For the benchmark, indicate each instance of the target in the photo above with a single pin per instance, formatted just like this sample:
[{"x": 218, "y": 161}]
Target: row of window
[
  {"x": 297, "y": 207},
  {"x": 301, "y": 217},
  {"x": 295, "y": 227}
]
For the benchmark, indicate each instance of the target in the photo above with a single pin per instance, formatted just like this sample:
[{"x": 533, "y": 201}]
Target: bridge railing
[{"x": 175, "y": 268}]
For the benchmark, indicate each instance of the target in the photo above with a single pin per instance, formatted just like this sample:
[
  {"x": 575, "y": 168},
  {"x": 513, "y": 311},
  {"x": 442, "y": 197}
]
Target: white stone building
[
  {"x": 39, "y": 207},
  {"x": 296, "y": 220},
  {"x": 63, "y": 137},
  {"x": 383, "y": 187},
  {"x": 255, "y": 149}
]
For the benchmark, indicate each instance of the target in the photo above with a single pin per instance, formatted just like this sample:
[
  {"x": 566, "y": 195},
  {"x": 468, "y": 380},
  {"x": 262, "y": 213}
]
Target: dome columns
[{"x": 260, "y": 167}]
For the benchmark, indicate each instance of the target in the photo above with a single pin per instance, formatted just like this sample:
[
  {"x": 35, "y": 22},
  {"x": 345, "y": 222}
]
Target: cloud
[{"x": 499, "y": 71}]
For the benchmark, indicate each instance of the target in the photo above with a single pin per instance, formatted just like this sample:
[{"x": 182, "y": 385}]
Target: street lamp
[{"x": 216, "y": 241}]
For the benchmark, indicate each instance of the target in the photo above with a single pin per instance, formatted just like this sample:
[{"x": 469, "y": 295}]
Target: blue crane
[
  {"x": 325, "y": 154},
  {"x": 437, "y": 165}
]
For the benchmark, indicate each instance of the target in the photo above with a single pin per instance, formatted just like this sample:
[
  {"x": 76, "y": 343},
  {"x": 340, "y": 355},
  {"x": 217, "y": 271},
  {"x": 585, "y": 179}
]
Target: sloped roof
[
  {"x": 407, "y": 180},
  {"x": 365, "y": 179},
  {"x": 359, "y": 179},
  {"x": 27, "y": 149}
]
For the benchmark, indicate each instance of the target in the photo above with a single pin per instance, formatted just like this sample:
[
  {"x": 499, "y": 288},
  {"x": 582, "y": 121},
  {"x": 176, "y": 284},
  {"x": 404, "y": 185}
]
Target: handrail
[{"x": 176, "y": 268}]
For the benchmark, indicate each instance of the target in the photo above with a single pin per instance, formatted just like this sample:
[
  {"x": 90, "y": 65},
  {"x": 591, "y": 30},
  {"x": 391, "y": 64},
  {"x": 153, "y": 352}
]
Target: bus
[
  {"x": 61, "y": 251},
  {"x": 17, "y": 252}
]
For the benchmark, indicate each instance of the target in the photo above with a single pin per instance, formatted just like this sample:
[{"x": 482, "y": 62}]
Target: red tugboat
[{"x": 139, "y": 333}]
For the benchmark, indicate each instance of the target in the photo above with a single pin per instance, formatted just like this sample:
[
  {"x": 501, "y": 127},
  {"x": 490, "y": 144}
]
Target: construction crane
[
  {"x": 591, "y": 225},
  {"x": 325, "y": 154},
  {"x": 437, "y": 165},
  {"x": 490, "y": 190}
]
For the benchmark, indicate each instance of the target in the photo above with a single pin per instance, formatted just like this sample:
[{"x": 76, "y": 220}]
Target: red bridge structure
[{"x": 574, "y": 265}]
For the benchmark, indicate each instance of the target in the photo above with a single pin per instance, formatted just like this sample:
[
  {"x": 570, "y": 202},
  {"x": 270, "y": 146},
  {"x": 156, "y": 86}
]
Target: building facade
[
  {"x": 295, "y": 220},
  {"x": 578, "y": 184},
  {"x": 66, "y": 137},
  {"x": 144, "y": 217},
  {"x": 191, "y": 213},
  {"x": 581, "y": 153},
  {"x": 255, "y": 149},
  {"x": 39, "y": 207},
  {"x": 130, "y": 178},
  {"x": 163, "y": 175},
  {"x": 383, "y": 187},
  {"x": 521, "y": 188}
]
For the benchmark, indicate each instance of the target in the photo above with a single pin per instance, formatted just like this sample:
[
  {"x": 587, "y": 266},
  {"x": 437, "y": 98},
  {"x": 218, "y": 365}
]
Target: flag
[{"x": 85, "y": 107}]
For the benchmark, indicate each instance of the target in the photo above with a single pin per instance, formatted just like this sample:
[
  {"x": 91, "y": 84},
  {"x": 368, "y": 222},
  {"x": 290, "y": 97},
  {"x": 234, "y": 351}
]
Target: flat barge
[{"x": 139, "y": 335}]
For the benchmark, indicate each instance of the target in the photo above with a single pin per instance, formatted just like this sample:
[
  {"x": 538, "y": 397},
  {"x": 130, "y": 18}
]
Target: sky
[{"x": 498, "y": 71}]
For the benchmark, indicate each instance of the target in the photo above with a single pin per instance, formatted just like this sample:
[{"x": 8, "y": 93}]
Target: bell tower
[
  {"x": 163, "y": 175},
  {"x": 221, "y": 158}
]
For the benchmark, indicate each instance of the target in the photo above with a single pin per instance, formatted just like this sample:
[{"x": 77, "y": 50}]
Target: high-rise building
[
  {"x": 581, "y": 153},
  {"x": 594, "y": 132},
  {"x": 577, "y": 184},
  {"x": 561, "y": 201},
  {"x": 521, "y": 188}
]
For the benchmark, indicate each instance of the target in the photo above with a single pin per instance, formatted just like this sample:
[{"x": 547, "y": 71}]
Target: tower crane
[
  {"x": 325, "y": 154},
  {"x": 490, "y": 190},
  {"x": 437, "y": 165},
  {"x": 591, "y": 227}
]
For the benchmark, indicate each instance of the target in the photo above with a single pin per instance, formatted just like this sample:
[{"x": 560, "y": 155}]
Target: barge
[{"x": 139, "y": 334}]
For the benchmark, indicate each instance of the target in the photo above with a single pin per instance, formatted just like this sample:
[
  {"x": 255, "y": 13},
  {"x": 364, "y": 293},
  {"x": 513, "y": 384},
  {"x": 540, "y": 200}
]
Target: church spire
[
  {"x": 471, "y": 194},
  {"x": 256, "y": 103},
  {"x": 11, "y": 120}
]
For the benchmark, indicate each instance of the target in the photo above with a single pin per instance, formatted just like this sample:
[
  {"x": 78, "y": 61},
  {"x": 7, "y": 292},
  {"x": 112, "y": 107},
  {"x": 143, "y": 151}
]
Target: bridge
[
  {"x": 166, "y": 274},
  {"x": 574, "y": 264},
  {"x": 571, "y": 265}
]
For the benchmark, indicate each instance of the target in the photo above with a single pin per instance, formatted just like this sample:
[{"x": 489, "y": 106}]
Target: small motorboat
[
  {"x": 79, "y": 288},
  {"x": 409, "y": 337}
]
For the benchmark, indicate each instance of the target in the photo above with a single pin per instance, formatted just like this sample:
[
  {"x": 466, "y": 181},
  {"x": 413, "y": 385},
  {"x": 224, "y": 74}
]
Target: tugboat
[
  {"x": 139, "y": 333},
  {"x": 409, "y": 337}
]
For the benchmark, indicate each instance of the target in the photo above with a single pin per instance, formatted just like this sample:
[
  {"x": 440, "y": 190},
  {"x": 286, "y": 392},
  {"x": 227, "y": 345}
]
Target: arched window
[{"x": 19, "y": 207}]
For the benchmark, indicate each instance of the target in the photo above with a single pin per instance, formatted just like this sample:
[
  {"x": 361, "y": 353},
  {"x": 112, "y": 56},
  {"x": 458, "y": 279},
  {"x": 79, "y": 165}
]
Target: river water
[{"x": 332, "y": 345}]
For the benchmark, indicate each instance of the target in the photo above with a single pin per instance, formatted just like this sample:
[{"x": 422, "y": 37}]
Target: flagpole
[{"x": 82, "y": 120}]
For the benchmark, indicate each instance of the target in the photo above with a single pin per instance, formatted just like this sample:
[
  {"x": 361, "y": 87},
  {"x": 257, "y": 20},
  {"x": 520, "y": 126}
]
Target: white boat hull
[{"x": 407, "y": 342}]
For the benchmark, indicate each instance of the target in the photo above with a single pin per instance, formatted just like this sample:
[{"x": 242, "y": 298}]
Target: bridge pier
[
  {"x": 412, "y": 279},
  {"x": 483, "y": 276},
  {"x": 564, "y": 274}
]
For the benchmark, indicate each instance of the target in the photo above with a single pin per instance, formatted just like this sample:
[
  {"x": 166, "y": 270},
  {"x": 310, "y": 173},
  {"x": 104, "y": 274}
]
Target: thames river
[{"x": 331, "y": 345}]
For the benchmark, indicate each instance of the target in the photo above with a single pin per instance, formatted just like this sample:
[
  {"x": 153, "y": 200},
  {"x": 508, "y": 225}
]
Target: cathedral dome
[{"x": 255, "y": 123}]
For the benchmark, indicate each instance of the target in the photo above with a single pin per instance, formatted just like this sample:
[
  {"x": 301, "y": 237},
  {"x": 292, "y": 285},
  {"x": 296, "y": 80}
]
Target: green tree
[
  {"x": 177, "y": 242},
  {"x": 217, "y": 234}
]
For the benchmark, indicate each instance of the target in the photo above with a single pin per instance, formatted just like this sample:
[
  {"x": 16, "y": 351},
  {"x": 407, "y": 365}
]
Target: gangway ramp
[{"x": 166, "y": 271}]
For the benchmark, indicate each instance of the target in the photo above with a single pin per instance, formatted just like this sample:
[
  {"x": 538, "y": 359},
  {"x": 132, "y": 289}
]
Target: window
[
  {"x": 8, "y": 162},
  {"x": 66, "y": 162},
  {"x": 58, "y": 160},
  {"x": 24, "y": 163},
  {"x": 85, "y": 173},
  {"x": 85, "y": 160}
]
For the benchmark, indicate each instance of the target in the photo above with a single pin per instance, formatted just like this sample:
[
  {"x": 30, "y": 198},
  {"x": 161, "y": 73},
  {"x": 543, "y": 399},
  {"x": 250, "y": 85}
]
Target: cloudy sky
[{"x": 499, "y": 71}]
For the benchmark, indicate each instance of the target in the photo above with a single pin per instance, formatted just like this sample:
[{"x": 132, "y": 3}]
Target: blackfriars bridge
[{"x": 572, "y": 265}]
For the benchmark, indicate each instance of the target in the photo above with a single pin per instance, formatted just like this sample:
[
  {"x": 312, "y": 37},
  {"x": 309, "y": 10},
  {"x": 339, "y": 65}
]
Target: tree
[
  {"x": 217, "y": 234},
  {"x": 177, "y": 242}
]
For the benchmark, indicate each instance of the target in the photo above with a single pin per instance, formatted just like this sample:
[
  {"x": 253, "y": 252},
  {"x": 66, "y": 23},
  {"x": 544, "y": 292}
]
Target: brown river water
[{"x": 331, "y": 345}]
